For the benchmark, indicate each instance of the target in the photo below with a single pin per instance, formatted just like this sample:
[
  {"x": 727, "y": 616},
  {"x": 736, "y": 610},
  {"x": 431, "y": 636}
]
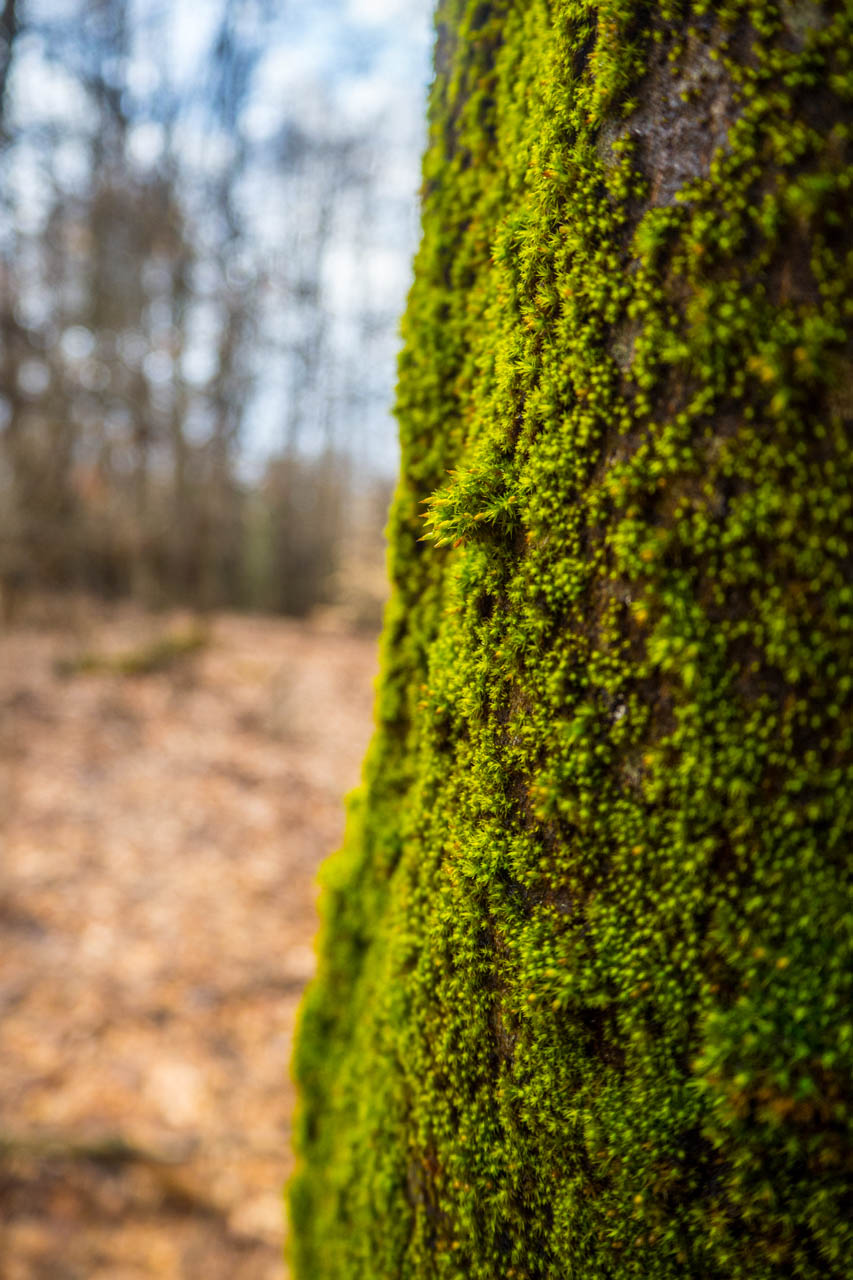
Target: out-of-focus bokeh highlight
[{"x": 207, "y": 215}]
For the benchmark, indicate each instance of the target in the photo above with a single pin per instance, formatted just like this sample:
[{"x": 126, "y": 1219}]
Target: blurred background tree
[{"x": 204, "y": 245}]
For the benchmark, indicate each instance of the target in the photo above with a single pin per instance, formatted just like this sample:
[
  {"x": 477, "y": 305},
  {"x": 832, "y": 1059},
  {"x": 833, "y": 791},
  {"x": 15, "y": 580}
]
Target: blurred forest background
[
  {"x": 207, "y": 216},
  {"x": 208, "y": 210}
]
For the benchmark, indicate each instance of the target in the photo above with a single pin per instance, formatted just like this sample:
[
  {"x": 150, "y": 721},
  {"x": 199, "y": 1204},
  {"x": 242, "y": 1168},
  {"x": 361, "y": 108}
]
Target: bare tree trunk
[{"x": 9, "y": 25}]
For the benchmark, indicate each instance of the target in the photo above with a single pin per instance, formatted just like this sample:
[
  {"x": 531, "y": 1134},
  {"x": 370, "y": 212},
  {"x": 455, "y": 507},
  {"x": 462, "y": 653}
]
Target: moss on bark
[{"x": 583, "y": 1007}]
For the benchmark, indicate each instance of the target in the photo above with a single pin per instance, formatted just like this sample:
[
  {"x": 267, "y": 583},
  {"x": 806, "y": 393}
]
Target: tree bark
[{"x": 583, "y": 999}]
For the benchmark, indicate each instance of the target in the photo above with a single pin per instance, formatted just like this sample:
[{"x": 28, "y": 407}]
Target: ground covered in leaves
[{"x": 166, "y": 794}]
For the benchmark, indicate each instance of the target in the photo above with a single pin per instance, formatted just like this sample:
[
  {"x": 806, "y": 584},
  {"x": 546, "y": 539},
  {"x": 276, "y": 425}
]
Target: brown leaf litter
[{"x": 161, "y": 824}]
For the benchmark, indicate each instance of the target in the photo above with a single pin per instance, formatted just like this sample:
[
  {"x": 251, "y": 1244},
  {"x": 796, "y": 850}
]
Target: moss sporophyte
[{"x": 583, "y": 1002}]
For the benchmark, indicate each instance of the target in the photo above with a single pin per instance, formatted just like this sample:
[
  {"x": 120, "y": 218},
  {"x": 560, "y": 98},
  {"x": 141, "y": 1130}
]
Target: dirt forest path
[{"x": 159, "y": 840}]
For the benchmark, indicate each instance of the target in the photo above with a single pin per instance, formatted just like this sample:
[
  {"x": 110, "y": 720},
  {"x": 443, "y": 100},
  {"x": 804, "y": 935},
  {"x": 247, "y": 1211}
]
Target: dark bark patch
[{"x": 683, "y": 116}]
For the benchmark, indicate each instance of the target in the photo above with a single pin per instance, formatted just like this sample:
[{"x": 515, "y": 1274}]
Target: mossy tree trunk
[{"x": 584, "y": 1000}]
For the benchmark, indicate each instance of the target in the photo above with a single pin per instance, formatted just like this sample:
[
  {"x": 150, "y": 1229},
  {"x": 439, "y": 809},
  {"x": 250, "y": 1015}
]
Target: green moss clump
[{"x": 584, "y": 999}]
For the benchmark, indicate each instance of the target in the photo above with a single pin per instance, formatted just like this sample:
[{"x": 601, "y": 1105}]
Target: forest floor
[{"x": 166, "y": 795}]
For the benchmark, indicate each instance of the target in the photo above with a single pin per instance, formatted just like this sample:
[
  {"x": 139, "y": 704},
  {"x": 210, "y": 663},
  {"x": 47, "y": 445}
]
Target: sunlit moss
[{"x": 584, "y": 1000}]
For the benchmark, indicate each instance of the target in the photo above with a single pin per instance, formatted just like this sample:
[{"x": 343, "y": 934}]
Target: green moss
[{"x": 584, "y": 991}]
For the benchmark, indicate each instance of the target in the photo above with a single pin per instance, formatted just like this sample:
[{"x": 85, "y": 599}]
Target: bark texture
[{"x": 583, "y": 1005}]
